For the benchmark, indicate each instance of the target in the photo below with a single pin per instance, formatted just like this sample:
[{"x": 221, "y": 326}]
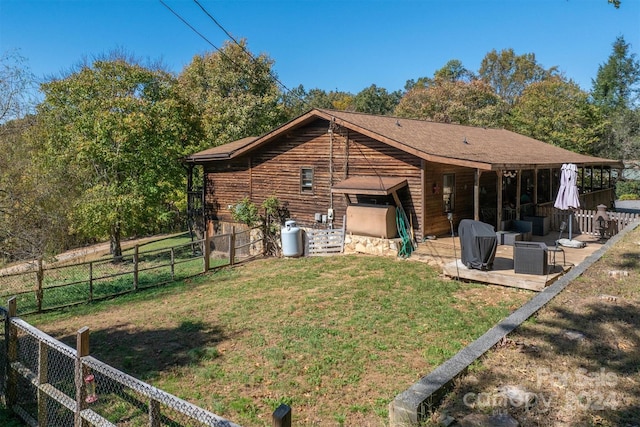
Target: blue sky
[{"x": 333, "y": 45}]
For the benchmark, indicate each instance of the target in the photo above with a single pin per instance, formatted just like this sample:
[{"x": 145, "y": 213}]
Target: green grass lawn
[
  {"x": 68, "y": 283},
  {"x": 334, "y": 337}
]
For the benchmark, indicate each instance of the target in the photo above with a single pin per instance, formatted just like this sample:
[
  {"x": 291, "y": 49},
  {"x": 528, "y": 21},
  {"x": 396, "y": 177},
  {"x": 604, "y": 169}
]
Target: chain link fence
[
  {"x": 51, "y": 384},
  {"x": 47, "y": 383},
  {"x": 3, "y": 354}
]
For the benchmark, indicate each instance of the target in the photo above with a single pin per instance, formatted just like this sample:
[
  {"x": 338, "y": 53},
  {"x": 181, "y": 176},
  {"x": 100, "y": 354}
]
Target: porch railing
[{"x": 583, "y": 220}]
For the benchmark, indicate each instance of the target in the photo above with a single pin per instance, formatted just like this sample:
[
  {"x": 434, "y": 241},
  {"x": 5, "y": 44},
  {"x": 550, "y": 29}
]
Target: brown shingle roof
[
  {"x": 219, "y": 152},
  {"x": 483, "y": 148}
]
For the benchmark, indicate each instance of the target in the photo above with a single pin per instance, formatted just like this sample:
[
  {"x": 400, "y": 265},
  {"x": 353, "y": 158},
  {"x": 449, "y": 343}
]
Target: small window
[
  {"x": 448, "y": 192},
  {"x": 306, "y": 180}
]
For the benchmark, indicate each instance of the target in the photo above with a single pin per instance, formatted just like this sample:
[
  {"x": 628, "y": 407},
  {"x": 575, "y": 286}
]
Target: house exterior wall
[
  {"x": 225, "y": 184},
  {"x": 371, "y": 157},
  {"x": 274, "y": 170},
  {"x": 436, "y": 221}
]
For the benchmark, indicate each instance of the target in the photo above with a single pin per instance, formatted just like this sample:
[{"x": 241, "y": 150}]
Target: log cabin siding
[
  {"x": 436, "y": 222},
  {"x": 277, "y": 168},
  {"x": 361, "y": 144},
  {"x": 274, "y": 170},
  {"x": 367, "y": 156},
  {"x": 226, "y": 183}
]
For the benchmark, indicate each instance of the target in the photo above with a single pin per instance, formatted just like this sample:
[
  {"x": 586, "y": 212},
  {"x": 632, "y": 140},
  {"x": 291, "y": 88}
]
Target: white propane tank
[{"x": 291, "y": 237}]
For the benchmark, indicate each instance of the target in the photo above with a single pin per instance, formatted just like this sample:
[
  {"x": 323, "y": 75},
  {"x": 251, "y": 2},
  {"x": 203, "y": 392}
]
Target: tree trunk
[{"x": 114, "y": 243}]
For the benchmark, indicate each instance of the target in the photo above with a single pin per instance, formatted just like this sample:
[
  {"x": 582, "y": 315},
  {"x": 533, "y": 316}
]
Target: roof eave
[
  {"x": 515, "y": 166},
  {"x": 207, "y": 158}
]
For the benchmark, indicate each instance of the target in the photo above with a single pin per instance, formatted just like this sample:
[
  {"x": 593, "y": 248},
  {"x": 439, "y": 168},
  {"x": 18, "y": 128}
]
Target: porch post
[
  {"x": 535, "y": 186},
  {"x": 476, "y": 195},
  {"x": 552, "y": 181},
  {"x": 601, "y": 177},
  {"x": 518, "y": 192},
  {"x": 499, "y": 207},
  {"x": 422, "y": 227}
]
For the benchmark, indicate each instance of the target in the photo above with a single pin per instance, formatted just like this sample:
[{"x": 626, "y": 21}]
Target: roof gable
[{"x": 483, "y": 148}]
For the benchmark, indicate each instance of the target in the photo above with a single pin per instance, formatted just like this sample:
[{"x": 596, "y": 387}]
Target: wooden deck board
[
  {"x": 504, "y": 277},
  {"x": 445, "y": 253}
]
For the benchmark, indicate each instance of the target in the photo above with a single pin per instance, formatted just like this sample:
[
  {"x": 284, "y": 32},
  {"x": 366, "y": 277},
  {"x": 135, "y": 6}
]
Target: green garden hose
[{"x": 406, "y": 246}]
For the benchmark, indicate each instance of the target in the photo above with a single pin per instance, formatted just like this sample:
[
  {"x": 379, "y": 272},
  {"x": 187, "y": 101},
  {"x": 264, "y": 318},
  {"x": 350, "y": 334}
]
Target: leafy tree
[
  {"x": 31, "y": 223},
  {"x": 558, "y": 112},
  {"x": 234, "y": 92},
  {"x": 509, "y": 74},
  {"x": 448, "y": 101},
  {"x": 116, "y": 131},
  {"x": 454, "y": 71},
  {"x": 33, "y": 205},
  {"x": 621, "y": 135},
  {"x": 376, "y": 100},
  {"x": 298, "y": 101},
  {"x": 615, "y": 91},
  {"x": 318, "y": 98},
  {"x": 422, "y": 82},
  {"x": 294, "y": 102},
  {"x": 616, "y": 84},
  {"x": 341, "y": 100},
  {"x": 17, "y": 84}
]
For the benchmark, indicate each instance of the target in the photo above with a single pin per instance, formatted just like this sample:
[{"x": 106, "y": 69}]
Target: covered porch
[
  {"x": 513, "y": 193},
  {"x": 444, "y": 252}
]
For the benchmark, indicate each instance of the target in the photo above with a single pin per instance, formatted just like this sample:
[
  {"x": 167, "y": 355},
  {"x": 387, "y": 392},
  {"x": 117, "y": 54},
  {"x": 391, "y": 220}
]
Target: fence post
[
  {"x": 82, "y": 350},
  {"x": 173, "y": 264},
  {"x": 135, "y": 267},
  {"x": 39, "y": 279},
  {"x": 232, "y": 245},
  {"x": 43, "y": 361},
  {"x": 91, "y": 281},
  {"x": 11, "y": 342},
  {"x": 206, "y": 253},
  {"x": 282, "y": 416},
  {"x": 154, "y": 413}
]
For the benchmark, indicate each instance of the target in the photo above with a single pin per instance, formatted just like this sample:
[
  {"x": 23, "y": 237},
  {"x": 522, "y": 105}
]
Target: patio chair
[
  {"x": 530, "y": 258},
  {"x": 553, "y": 250}
]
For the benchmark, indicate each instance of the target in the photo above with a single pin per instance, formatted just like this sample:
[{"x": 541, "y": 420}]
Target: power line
[
  {"x": 220, "y": 51},
  {"x": 249, "y": 54},
  {"x": 184, "y": 21},
  {"x": 239, "y": 66}
]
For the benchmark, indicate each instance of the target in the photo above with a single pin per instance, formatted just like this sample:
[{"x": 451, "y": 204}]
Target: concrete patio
[{"x": 444, "y": 252}]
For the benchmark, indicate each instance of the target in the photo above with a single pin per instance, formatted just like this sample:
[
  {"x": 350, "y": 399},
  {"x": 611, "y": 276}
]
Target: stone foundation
[{"x": 354, "y": 244}]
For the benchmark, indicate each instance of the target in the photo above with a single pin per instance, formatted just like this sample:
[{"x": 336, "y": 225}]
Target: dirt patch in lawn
[{"x": 576, "y": 363}]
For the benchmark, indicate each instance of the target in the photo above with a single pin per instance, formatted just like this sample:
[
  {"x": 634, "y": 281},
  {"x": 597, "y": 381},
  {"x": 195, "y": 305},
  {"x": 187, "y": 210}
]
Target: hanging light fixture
[{"x": 509, "y": 174}]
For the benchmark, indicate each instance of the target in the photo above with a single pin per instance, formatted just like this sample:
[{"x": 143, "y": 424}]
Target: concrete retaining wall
[{"x": 414, "y": 405}]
